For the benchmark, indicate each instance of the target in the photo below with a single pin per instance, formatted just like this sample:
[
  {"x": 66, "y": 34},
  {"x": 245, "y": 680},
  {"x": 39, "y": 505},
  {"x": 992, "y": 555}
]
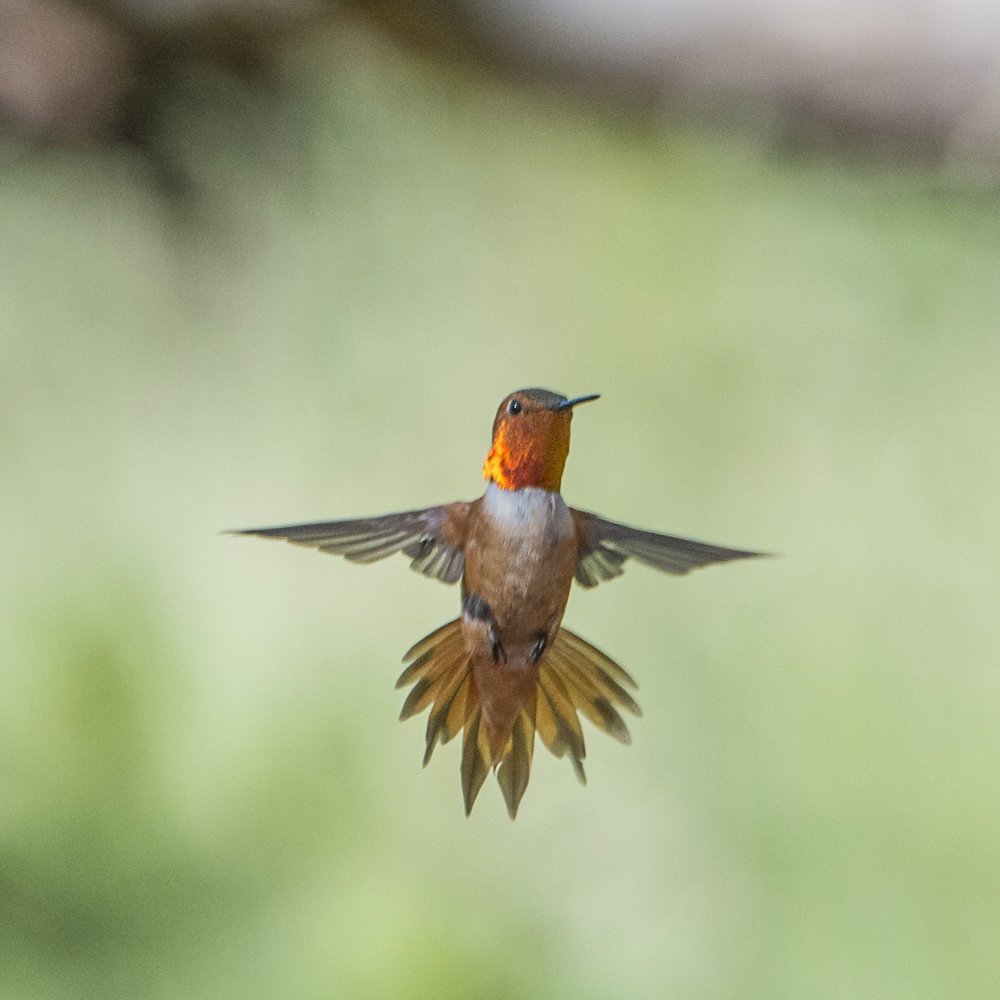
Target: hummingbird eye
[{"x": 514, "y": 408}]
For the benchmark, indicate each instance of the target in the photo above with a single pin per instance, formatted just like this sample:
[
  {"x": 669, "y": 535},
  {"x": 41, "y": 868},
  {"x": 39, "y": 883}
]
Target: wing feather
[
  {"x": 603, "y": 547},
  {"x": 433, "y": 538}
]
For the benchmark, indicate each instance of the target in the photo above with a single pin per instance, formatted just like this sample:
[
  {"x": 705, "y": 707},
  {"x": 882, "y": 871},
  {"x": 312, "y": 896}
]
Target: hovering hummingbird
[{"x": 506, "y": 668}]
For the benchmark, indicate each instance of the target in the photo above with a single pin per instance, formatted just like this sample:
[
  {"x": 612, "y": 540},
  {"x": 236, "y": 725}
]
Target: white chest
[{"x": 531, "y": 517}]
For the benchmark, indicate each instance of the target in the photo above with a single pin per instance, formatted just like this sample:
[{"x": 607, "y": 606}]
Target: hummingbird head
[{"x": 531, "y": 439}]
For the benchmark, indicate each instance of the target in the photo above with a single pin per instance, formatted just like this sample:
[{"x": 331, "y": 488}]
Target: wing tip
[
  {"x": 732, "y": 555},
  {"x": 748, "y": 554},
  {"x": 278, "y": 533}
]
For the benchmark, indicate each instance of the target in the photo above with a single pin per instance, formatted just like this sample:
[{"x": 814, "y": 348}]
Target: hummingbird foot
[
  {"x": 479, "y": 628},
  {"x": 541, "y": 644}
]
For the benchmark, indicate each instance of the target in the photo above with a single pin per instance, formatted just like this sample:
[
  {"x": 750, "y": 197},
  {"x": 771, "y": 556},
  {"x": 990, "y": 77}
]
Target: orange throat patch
[{"x": 526, "y": 461}]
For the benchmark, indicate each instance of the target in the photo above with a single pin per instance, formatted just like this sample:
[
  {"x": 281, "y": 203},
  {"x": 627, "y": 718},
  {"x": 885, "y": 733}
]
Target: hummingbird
[{"x": 507, "y": 669}]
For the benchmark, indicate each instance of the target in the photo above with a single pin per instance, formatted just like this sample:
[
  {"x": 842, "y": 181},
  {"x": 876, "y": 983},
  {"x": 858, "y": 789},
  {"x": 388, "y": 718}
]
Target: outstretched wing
[
  {"x": 434, "y": 539},
  {"x": 604, "y": 546}
]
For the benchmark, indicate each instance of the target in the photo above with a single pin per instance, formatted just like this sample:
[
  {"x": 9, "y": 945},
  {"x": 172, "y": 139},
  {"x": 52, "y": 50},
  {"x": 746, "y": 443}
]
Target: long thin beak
[{"x": 579, "y": 399}]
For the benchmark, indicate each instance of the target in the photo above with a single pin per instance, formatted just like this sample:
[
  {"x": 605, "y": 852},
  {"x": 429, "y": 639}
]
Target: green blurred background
[{"x": 203, "y": 788}]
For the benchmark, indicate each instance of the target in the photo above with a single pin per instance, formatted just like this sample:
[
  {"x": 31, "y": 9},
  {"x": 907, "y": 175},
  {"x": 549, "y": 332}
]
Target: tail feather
[
  {"x": 416, "y": 669},
  {"x": 572, "y": 677},
  {"x": 437, "y": 720},
  {"x": 475, "y": 756},
  {"x": 515, "y": 765},
  {"x": 455, "y": 719},
  {"x": 563, "y": 708},
  {"x": 589, "y": 700},
  {"x": 548, "y": 730},
  {"x": 562, "y": 711},
  {"x": 593, "y": 655},
  {"x": 441, "y": 688},
  {"x": 428, "y": 642},
  {"x": 430, "y": 665},
  {"x": 593, "y": 678}
]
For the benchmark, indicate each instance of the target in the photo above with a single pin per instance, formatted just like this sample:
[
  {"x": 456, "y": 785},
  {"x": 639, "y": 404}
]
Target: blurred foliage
[{"x": 203, "y": 791}]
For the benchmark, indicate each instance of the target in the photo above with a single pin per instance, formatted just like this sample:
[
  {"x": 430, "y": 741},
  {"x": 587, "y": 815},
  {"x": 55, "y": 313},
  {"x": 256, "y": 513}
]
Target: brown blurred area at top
[
  {"x": 63, "y": 71},
  {"x": 94, "y": 71},
  {"x": 76, "y": 72}
]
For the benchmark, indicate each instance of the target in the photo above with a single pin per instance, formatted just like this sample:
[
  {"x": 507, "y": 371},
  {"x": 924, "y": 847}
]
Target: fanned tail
[
  {"x": 572, "y": 676},
  {"x": 576, "y": 676},
  {"x": 441, "y": 679}
]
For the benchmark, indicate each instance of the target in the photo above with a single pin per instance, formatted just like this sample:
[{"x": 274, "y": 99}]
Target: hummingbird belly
[{"x": 519, "y": 563}]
